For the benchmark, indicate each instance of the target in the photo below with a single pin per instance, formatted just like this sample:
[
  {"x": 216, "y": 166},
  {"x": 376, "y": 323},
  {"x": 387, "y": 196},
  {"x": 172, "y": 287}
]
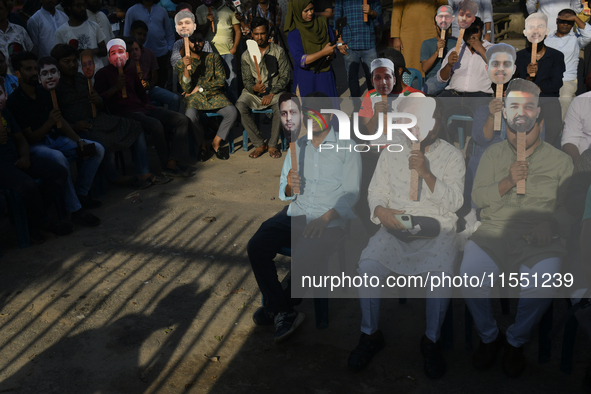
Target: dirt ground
[{"x": 158, "y": 299}]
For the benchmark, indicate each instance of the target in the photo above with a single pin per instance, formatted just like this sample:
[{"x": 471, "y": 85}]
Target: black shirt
[
  {"x": 551, "y": 67},
  {"x": 31, "y": 113}
]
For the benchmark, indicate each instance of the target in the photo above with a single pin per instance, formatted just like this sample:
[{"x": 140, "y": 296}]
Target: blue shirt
[
  {"x": 160, "y": 34},
  {"x": 570, "y": 45},
  {"x": 10, "y": 84},
  {"x": 330, "y": 179},
  {"x": 429, "y": 47},
  {"x": 359, "y": 35}
]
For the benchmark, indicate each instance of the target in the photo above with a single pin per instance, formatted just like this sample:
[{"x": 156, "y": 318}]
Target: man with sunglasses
[{"x": 570, "y": 43}]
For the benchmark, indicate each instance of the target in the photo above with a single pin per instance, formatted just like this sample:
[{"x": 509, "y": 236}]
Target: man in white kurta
[{"x": 442, "y": 170}]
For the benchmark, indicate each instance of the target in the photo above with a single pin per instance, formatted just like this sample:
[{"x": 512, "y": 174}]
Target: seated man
[
  {"x": 441, "y": 167},
  {"x": 312, "y": 223},
  {"x": 10, "y": 81},
  {"x": 149, "y": 68},
  {"x": 18, "y": 172},
  {"x": 519, "y": 233},
  {"x": 275, "y": 75},
  {"x": 109, "y": 85},
  {"x": 430, "y": 60},
  {"x": 576, "y": 136},
  {"x": 547, "y": 74},
  {"x": 115, "y": 133},
  {"x": 176, "y": 48},
  {"x": 204, "y": 91},
  {"x": 33, "y": 110}
]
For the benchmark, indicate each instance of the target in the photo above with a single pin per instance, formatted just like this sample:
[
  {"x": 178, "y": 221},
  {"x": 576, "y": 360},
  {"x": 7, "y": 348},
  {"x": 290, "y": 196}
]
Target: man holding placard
[
  {"x": 441, "y": 169},
  {"x": 263, "y": 84},
  {"x": 519, "y": 233}
]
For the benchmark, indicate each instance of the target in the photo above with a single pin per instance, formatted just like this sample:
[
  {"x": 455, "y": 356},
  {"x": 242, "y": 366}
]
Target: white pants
[
  {"x": 370, "y": 299},
  {"x": 567, "y": 93},
  {"x": 529, "y": 309}
]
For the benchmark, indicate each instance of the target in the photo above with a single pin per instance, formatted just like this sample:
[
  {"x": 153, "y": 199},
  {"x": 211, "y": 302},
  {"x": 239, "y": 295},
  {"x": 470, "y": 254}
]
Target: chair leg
[
  {"x": 244, "y": 140},
  {"x": 544, "y": 341},
  {"x": 231, "y": 141},
  {"x": 461, "y": 137}
]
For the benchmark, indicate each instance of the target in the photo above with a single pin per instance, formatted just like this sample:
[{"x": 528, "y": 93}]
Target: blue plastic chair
[
  {"x": 256, "y": 113},
  {"x": 414, "y": 74},
  {"x": 461, "y": 134}
]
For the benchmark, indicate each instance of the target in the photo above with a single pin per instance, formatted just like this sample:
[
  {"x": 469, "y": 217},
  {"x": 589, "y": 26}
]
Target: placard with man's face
[
  {"x": 184, "y": 23},
  {"x": 444, "y": 17},
  {"x": 501, "y": 63},
  {"x": 49, "y": 76},
  {"x": 467, "y": 13},
  {"x": 118, "y": 55},
  {"x": 536, "y": 28},
  {"x": 87, "y": 62}
]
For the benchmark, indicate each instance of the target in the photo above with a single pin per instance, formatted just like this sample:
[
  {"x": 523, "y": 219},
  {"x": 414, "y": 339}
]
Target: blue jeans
[
  {"x": 59, "y": 150},
  {"x": 164, "y": 96},
  {"x": 433, "y": 87},
  {"x": 139, "y": 154},
  {"x": 231, "y": 81},
  {"x": 352, "y": 62}
]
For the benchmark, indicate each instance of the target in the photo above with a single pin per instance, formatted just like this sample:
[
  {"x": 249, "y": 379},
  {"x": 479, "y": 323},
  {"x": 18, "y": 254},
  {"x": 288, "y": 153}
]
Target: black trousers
[
  {"x": 35, "y": 198},
  {"x": 284, "y": 231}
]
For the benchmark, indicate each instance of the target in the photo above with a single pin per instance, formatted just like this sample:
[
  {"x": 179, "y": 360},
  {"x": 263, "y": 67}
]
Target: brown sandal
[
  {"x": 274, "y": 153},
  {"x": 258, "y": 152}
]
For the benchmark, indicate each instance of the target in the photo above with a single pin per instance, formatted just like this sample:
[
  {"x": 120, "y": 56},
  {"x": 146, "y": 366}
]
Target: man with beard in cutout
[{"x": 519, "y": 233}]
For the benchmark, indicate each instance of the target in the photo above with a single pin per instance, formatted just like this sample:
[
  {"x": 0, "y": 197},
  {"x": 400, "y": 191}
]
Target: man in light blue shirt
[
  {"x": 328, "y": 180},
  {"x": 160, "y": 33},
  {"x": 43, "y": 24},
  {"x": 570, "y": 43}
]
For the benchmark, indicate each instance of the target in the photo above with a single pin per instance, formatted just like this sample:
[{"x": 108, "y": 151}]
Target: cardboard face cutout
[
  {"x": 501, "y": 66},
  {"x": 421, "y": 107},
  {"x": 49, "y": 76},
  {"x": 184, "y": 23},
  {"x": 467, "y": 13},
  {"x": 444, "y": 17},
  {"x": 521, "y": 111},
  {"x": 536, "y": 28},
  {"x": 87, "y": 62},
  {"x": 118, "y": 55},
  {"x": 291, "y": 118}
]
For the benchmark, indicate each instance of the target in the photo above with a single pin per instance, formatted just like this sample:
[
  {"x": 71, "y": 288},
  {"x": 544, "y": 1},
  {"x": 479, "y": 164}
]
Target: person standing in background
[{"x": 43, "y": 24}]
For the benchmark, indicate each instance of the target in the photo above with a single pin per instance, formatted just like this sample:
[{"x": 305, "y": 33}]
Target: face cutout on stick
[
  {"x": 184, "y": 22},
  {"x": 49, "y": 75},
  {"x": 87, "y": 62},
  {"x": 117, "y": 52},
  {"x": 467, "y": 13},
  {"x": 501, "y": 63},
  {"x": 444, "y": 17},
  {"x": 424, "y": 110},
  {"x": 536, "y": 27}
]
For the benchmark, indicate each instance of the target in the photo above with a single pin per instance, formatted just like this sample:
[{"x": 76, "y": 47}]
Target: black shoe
[
  {"x": 434, "y": 366},
  {"x": 203, "y": 155},
  {"x": 221, "y": 154},
  {"x": 175, "y": 173},
  {"x": 85, "y": 218},
  {"x": 513, "y": 361},
  {"x": 89, "y": 203},
  {"x": 59, "y": 227},
  {"x": 368, "y": 346},
  {"x": 485, "y": 356},
  {"x": 262, "y": 318},
  {"x": 286, "y": 323}
]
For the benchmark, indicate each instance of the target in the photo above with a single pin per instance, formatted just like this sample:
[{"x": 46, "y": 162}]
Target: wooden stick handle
[
  {"x": 91, "y": 104},
  {"x": 294, "y": 163},
  {"x": 498, "y": 114},
  {"x": 55, "y": 106},
  {"x": 460, "y": 40},
  {"x": 256, "y": 66},
  {"x": 521, "y": 157},
  {"x": 534, "y": 54},
  {"x": 138, "y": 69},
  {"x": 365, "y": 19},
  {"x": 443, "y": 38},
  {"x": 187, "y": 51},
  {"x": 414, "y": 177},
  {"x": 212, "y": 24},
  {"x": 124, "y": 90}
]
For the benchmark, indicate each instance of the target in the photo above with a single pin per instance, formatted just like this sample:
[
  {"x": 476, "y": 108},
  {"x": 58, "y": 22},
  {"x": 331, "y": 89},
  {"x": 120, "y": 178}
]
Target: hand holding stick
[
  {"x": 55, "y": 106},
  {"x": 365, "y": 19},
  {"x": 534, "y": 55},
  {"x": 294, "y": 164},
  {"x": 187, "y": 50}
]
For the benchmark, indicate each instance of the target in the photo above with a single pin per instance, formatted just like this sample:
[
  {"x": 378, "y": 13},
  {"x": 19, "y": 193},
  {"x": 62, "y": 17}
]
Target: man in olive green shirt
[
  {"x": 275, "y": 74},
  {"x": 519, "y": 233}
]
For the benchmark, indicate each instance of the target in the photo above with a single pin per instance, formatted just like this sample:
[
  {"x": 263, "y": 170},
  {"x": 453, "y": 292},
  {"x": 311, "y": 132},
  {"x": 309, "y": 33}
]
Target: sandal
[
  {"x": 258, "y": 152},
  {"x": 275, "y": 153},
  {"x": 158, "y": 180}
]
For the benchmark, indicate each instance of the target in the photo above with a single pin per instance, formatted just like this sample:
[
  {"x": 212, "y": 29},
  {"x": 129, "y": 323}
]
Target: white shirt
[
  {"x": 42, "y": 27},
  {"x": 551, "y": 8},
  {"x": 101, "y": 19},
  {"x": 86, "y": 36},
  {"x": 577, "y": 123},
  {"x": 469, "y": 73},
  {"x": 570, "y": 45},
  {"x": 14, "y": 33}
]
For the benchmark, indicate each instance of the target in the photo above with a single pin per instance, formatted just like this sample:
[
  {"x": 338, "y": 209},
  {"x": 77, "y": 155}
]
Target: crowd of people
[{"x": 72, "y": 89}]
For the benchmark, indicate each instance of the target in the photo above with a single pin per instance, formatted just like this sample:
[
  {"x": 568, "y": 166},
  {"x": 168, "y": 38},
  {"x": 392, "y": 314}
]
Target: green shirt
[
  {"x": 209, "y": 74},
  {"x": 506, "y": 219},
  {"x": 274, "y": 68}
]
